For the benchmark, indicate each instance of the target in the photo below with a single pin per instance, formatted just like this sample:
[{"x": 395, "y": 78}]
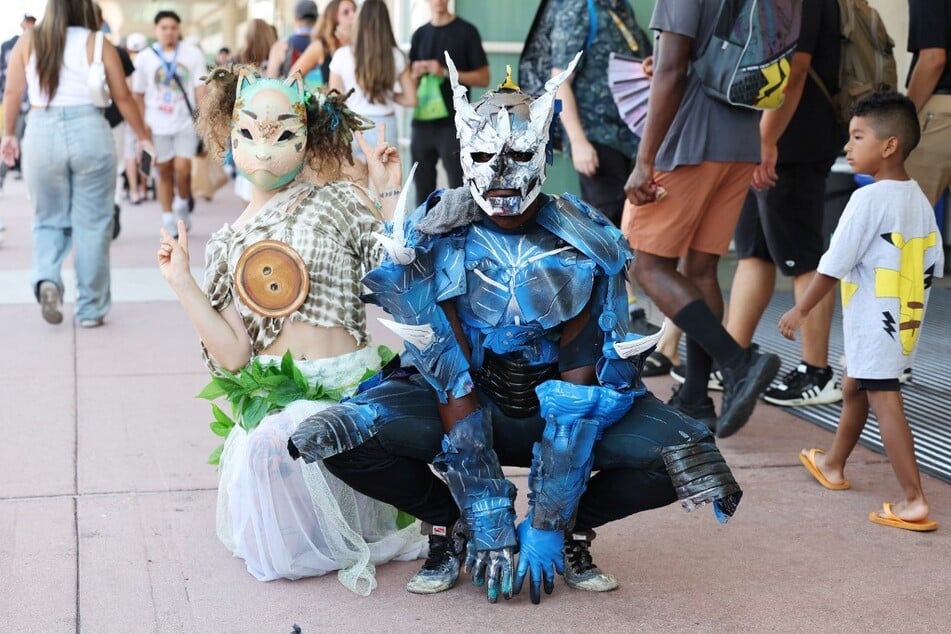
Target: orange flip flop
[
  {"x": 808, "y": 459},
  {"x": 888, "y": 518}
]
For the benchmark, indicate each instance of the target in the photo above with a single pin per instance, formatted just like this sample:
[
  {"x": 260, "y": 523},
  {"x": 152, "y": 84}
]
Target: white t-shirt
[
  {"x": 343, "y": 65},
  {"x": 885, "y": 249},
  {"x": 165, "y": 109}
]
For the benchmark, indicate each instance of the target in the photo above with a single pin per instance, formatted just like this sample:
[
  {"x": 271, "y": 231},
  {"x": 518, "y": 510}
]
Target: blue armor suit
[
  {"x": 513, "y": 293},
  {"x": 513, "y": 309}
]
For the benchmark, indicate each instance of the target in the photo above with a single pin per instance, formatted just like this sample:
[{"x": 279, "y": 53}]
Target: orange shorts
[{"x": 699, "y": 212}]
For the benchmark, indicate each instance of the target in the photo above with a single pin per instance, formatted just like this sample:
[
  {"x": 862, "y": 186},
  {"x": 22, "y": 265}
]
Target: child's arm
[
  {"x": 790, "y": 322},
  {"x": 223, "y": 333}
]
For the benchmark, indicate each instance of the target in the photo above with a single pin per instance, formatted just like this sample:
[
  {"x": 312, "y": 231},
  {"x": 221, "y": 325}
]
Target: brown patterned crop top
[{"x": 331, "y": 229}]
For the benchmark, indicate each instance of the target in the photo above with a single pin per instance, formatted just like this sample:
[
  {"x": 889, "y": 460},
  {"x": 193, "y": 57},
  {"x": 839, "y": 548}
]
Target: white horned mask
[{"x": 502, "y": 141}]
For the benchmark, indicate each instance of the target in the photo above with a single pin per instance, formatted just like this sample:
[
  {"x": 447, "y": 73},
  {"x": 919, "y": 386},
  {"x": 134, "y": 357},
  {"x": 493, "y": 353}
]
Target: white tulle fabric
[{"x": 288, "y": 519}]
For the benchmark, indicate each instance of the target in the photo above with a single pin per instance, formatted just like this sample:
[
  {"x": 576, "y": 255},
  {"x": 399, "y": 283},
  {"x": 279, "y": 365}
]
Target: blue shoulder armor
[{"x": 581, "y": 226}]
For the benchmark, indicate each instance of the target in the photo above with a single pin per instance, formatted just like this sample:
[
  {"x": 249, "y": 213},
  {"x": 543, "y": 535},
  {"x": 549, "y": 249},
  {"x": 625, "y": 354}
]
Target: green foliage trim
[{"x": 259, "y": 389}]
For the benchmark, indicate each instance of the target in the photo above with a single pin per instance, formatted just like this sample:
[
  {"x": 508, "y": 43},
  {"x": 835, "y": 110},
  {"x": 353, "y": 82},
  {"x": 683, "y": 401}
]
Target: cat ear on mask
[
  {"x": 295, "y": 81},
  {"x": 246, "y": 77}
]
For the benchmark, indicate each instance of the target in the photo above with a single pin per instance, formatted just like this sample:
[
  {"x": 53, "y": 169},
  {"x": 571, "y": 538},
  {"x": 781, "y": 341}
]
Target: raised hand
[
  {"x": 395, "y": 242},
  {"x": 383, "y": 161},
  {"x": 173, "y": 255}
]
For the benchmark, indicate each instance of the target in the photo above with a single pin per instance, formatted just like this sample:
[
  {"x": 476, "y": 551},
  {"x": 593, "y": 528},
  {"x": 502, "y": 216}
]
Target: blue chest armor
[{"x": 521, "y": 288}]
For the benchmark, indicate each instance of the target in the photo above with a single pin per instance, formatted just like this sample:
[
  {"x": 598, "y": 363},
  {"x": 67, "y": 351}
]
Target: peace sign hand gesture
[
  {"x": 383, "y": 161},
  {"x": 172, "y": 256}
]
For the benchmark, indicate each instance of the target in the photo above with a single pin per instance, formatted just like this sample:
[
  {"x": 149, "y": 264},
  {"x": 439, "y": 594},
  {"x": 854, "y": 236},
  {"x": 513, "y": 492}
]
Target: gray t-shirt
[
  {"x": 885, "y": 249},
  {"x": 704, "y": 129}
]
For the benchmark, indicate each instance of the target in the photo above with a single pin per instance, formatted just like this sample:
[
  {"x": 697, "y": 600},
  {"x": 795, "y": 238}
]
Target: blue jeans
[{"x": 70, "y": 170}]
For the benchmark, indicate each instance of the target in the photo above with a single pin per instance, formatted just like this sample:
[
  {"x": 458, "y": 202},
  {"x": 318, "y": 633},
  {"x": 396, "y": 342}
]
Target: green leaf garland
[{"x": 259, "y": 389}]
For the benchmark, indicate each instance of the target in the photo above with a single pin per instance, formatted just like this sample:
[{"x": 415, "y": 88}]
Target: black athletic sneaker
[
  {"x": 701, "y": 412},
  {"x": 804, "y": 385},
  {"x": 580, "y": 571},
  {"x": 441, "y": 570},
  {"x": 742, "y": 385}
]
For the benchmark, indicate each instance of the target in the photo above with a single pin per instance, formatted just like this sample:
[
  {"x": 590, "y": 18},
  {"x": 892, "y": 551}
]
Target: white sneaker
[
  {"x": 180, "y": 209},
  {"x": 170, "y": 225}
]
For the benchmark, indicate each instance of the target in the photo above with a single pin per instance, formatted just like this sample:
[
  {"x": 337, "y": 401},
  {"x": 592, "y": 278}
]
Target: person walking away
[
  {"x": 782, "y": 219},
  {"x": 69, "y": 157},
  {"x": 375, "y": 69},
  {"x": 704, "y": 185},
  {"x": 433, "y": 134},
  {"x": 167, "y": 84},
  {"x": 886, "y": 251}
]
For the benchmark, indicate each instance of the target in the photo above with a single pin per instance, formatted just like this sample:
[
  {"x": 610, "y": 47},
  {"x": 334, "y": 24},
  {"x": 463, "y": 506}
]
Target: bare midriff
[{"x": 311, "y": 342}]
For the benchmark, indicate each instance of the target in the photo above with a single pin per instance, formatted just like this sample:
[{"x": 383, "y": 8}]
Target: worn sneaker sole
[
  {"x": 422, "y": 585},
  {"x": 829, "y": 394},
  {"x": 602, "y": 582},
  {"x": 51, "y": 303},
  {"x": 741, "y": 405}
]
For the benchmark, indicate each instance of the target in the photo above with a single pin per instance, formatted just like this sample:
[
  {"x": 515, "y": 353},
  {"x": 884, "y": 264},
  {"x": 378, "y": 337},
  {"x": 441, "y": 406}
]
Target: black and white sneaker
[
  {"x": 441, "y": 570},
  {"x": 804, "y": 385}
]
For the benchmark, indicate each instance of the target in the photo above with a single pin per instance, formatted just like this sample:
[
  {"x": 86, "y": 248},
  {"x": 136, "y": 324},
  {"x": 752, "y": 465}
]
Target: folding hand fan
[{"x": 630, "y": 88}]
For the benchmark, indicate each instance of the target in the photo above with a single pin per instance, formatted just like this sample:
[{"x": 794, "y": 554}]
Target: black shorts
[
  {"x": 879, "y": 385},
  {"x": 784, "y": 224}
]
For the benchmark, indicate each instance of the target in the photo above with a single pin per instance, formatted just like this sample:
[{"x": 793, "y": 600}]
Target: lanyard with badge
[
  {"x": 167, "y": 100},
  {"x": 625, "y": 32}
]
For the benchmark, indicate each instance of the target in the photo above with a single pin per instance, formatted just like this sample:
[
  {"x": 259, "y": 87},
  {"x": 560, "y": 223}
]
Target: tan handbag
[{"x": 98, "y": 85}]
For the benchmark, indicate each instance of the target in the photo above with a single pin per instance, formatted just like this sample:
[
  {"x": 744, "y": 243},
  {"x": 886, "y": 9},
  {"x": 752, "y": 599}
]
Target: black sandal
[{"x": 656, "y": 364}]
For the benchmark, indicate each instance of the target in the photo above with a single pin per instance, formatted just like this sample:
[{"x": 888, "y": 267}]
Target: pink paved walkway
[{"x": 107, "y": 505}]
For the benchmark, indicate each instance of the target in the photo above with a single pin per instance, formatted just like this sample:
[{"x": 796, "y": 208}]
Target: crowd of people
[{"x": 512, "y": 303}]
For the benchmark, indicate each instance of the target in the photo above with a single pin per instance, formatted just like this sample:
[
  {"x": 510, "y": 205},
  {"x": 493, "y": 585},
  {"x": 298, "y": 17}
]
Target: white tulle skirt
[{"x": 288, "y": 519}]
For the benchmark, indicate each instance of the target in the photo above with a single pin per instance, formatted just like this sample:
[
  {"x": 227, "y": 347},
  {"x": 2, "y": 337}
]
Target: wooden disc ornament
[{"x": 271, "y": 279}]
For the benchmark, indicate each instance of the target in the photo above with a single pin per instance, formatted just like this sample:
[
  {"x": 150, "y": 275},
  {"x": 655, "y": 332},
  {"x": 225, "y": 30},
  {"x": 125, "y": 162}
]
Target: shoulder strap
[
  {"x": 178, "y": 82},
  {"x": 820, "y": 84},
  {"x": 188, "y": 104},
  {"x": 592, "y": 25}
]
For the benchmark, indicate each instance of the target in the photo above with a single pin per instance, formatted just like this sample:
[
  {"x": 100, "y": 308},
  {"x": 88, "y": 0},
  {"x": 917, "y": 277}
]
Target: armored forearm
[
  {"x": 576, "y": 416},
  {"x": 474, "y": 476}
]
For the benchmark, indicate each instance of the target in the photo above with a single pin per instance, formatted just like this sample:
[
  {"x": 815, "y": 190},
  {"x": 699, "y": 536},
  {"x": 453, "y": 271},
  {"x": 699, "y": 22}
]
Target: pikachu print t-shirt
[{"x": 885, "y": 250}]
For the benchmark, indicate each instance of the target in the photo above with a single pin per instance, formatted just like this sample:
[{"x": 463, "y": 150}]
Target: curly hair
[{"x": 330, "y": 123}]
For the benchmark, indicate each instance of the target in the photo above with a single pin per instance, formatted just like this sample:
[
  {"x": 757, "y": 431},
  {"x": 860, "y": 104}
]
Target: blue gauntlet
[
  {"x": 485, "y": 498},
  {"x": 576, "y": 417},
  {"x": 540, "y": 554}
]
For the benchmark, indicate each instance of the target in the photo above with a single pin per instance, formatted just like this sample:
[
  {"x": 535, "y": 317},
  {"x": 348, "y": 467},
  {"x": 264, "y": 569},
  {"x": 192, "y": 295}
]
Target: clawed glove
[
  {"x": 540, "y": 554},
  {"x": 490, "y": 553}
]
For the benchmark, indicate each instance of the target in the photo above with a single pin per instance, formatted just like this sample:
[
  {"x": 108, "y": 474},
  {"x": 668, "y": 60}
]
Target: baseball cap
[
  {"x": 305, "y": 10},
  {"x": 135, "y": 42},
  {"x": 29, "y": 16}
]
